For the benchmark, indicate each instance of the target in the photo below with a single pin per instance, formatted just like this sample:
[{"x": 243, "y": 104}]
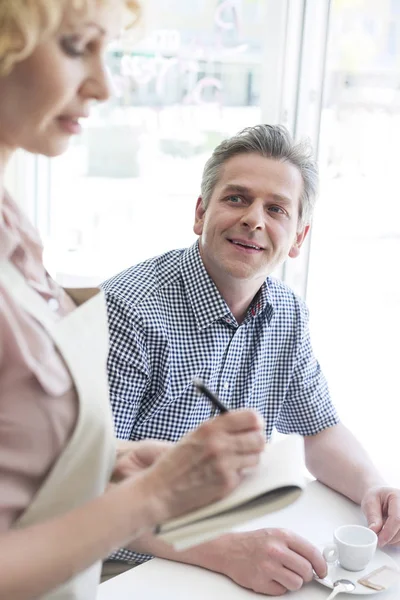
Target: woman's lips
[{"x": 70, "y": 125}]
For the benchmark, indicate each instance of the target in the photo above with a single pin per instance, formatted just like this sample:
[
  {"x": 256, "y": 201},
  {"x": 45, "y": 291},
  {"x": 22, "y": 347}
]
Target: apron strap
[{"x": 28, "y": 298}]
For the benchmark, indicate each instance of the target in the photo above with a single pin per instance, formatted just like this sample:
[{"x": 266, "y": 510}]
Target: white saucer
[{"x": 336, "y": 572}]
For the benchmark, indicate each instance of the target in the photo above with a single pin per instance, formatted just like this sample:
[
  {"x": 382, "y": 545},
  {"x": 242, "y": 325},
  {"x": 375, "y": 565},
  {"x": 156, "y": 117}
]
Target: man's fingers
[
  {"x": 298, "y": 564},
  {"x": 287, "y": 578},
  {"x": 395, "y": 541},
  {"x": 391, "y": 527},
  {"x": 375, "y": 527},
  {"x": 372, "y": 509},
  {"x": 388, "y": 532},
  {"x": 310, "y": 553},
  {"x": 276, "y": 589}
]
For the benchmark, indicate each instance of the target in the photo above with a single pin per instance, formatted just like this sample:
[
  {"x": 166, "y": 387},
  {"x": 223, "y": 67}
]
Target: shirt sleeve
[
  {"x": 307, "y": 408},
  {"x": 128, "y": 370},
  {"x": 128, "y": 373}
]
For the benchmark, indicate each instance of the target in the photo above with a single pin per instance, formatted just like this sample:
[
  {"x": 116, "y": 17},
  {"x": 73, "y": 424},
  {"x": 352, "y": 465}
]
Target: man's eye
[
  {"x": 276, "y": 209},
  {"x": 235, "y": 199}
]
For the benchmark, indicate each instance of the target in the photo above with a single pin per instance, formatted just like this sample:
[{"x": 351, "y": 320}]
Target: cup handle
[{"x": 331, "y": 554}]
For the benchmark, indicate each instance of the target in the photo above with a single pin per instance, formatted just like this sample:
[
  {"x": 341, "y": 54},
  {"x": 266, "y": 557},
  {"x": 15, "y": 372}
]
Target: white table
[{"x": 314, "y": 516}]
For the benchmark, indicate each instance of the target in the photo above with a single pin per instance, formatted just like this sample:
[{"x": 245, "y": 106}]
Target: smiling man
[
  {"x": 249, "y": 224},
  {"x": 213, "y": 311}
]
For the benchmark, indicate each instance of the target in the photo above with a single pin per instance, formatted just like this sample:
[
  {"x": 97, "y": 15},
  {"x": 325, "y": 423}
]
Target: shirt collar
[
  {"x": 207, "y": 303},
  {"x": 261, "y": 304}
]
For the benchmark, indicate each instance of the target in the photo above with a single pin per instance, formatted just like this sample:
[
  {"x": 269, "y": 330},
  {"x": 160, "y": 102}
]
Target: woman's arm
[
  {"x": 38, "y": 558},
  {"x": 204, "y": 466}
]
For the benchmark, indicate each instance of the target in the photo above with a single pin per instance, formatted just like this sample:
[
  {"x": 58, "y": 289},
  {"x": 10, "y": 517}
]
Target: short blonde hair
[{"x": 25, "y": 23}]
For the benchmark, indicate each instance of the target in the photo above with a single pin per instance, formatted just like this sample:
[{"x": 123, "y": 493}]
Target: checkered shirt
[{"x": 169, "y": 324}]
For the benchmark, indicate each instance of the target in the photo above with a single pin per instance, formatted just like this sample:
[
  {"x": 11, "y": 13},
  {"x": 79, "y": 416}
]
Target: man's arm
[
  {"x": 267, "y": 561},
  {"x": 333, "y": 456},
  {"x": 337, "y": 459}
]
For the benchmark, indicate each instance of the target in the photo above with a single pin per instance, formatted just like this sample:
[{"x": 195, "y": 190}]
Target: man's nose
[{"x": 254, "y": 216}]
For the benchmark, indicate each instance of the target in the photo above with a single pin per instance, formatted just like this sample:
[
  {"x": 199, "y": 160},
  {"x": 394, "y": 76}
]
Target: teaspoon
[{"x": 341, "y": 585}]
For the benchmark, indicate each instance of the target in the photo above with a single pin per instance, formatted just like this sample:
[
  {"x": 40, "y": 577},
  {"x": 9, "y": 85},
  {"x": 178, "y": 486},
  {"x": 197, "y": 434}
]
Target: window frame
[{"x": 294, "y": 60}]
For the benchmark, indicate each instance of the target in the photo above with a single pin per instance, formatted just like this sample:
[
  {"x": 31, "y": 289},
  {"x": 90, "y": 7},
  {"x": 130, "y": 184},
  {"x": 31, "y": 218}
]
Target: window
[
  {"x": 329, "y": 69},
  {"x": 354, "y": 283},
  {"x": 126, "y": 189}
]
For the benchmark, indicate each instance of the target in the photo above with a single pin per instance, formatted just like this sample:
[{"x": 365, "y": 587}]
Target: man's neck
[
  {"x": 238, "y": 294},
  {"x": 239, "y": 303}
]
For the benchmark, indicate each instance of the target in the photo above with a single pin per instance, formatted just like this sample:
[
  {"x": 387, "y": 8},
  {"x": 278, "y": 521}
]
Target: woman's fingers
[
  {"x": 240, "y": 420},
  {"x": 208, "y": 463}
]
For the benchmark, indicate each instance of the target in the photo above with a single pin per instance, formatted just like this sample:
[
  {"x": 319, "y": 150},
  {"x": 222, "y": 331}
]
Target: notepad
[{"x": 276, "y": 482}]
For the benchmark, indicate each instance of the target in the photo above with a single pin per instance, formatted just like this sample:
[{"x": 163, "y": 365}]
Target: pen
[{"x": 201, "y": 388}]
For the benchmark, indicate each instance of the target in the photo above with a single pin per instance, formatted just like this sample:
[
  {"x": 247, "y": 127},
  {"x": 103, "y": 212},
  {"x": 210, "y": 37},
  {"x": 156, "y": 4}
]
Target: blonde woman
[{"x": 59, "y": 513}]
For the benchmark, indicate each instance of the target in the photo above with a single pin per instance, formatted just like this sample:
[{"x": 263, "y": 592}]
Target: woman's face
[{"x": 44, "y": 97}]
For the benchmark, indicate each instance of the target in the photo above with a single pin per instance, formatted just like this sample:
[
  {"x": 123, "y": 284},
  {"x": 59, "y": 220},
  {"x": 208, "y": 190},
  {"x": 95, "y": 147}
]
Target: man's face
[{"x": 250, "y": 225}]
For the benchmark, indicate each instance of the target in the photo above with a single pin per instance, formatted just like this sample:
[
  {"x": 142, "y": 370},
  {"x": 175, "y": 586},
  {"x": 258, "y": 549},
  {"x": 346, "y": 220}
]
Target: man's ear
[
  {"x": 300, "y": 237},
  {"x": 199, "y": 216}
]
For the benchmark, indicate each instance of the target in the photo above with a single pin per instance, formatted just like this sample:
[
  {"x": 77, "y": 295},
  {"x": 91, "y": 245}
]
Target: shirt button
[
  {"x": 53, "y": 304},
  {"x": 226, "y": 385}
]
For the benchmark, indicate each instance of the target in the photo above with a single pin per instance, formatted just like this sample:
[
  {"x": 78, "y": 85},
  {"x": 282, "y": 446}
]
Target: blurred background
[{"x": 199, "y": 71}]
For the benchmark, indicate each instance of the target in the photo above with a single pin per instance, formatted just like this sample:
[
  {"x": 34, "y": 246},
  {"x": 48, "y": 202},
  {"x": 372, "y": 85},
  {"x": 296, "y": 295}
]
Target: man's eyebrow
[
  {"x": 236, "y": 188},
  {"x": 242, "y": 189},
  {"x": 282, "y": 199}
]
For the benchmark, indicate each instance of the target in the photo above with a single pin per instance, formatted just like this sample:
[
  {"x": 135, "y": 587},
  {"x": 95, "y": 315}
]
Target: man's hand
[
  {"x": 271, "y": 561},
  {"x": 381, "y": 506}
]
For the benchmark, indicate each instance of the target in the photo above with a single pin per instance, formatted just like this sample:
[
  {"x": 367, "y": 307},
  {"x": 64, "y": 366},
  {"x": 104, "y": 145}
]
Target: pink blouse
[{"x": 38, "y": 403}]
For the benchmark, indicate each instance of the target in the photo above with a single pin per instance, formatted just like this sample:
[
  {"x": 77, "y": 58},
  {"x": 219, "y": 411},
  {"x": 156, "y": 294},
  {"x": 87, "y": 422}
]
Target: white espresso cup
[{"x": 354, "y": 546}]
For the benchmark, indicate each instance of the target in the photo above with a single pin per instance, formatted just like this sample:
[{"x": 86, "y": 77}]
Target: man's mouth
[{"x": 246, "y": 244}]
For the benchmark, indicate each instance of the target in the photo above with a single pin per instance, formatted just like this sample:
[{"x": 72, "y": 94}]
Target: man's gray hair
[{"x": 270, "y": 141}]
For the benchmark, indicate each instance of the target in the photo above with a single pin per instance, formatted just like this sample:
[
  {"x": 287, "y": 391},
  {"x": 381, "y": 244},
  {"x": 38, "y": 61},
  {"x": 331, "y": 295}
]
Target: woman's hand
[
  {"x": 133, "y": 457},
  {"x": 205, "y": 465}
]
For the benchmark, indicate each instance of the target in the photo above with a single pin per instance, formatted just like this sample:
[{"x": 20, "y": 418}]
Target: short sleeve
[
  {"x": 128, "y": 369},
  {"x": 307, "y": 408}
]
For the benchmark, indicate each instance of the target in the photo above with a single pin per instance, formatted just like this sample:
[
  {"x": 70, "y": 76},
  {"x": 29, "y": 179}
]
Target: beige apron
[{"x": 83, "y": 469}]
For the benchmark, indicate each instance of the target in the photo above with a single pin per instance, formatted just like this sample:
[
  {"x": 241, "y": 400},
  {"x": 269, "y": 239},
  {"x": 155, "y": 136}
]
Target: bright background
[{"x": 202, "y": 70}]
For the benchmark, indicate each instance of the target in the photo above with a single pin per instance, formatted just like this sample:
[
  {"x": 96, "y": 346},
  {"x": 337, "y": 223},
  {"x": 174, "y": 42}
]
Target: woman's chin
[{"x": 49, "y": 147}]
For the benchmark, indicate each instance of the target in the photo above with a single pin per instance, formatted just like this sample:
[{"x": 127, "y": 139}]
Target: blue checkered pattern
[{"x": 169, "y": 324}]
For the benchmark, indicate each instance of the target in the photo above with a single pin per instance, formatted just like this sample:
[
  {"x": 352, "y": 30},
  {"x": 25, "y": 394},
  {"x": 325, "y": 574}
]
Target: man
[{"x": 213, "y": 312}]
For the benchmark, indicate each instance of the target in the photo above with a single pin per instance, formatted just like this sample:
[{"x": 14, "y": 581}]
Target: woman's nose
[{"x": 98, "y": 84}]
